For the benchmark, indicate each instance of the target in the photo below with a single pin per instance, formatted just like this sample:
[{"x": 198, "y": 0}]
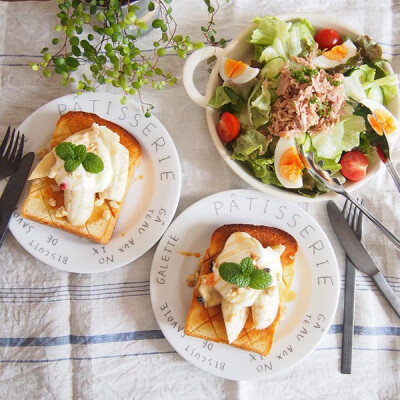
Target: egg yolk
[
  {"x": 382, "y": 122},
  {"x": 337, "y": 53},
  {"x": 233, "y": 68},
  {"x": 375, "y": 124},
  {"x": 290, "y": 165}
]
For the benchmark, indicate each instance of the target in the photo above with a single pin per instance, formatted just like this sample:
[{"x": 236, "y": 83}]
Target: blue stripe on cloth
[
  {"x": 79, "y": 339},
  {"x": 71, "y": 299},
  {"x": 88, "y": 358},
  {"x": 49, "y": 360},
  {"x": 157, "y": 334},
  {"x": 368, "y": 330},
  {"x": 77, "y": 286}
]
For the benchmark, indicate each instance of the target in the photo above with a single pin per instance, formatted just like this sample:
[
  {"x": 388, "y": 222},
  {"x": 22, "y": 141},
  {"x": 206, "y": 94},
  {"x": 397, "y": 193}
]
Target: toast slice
[
  {"x": 208, "y": 323},
  {"x": 45, "y": 200}
]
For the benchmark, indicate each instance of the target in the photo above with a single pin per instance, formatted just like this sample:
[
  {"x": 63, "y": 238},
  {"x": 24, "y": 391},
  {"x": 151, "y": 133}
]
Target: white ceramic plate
[
  {"x": 149, "y": 205},
  {"x": 312, "y": 299}
]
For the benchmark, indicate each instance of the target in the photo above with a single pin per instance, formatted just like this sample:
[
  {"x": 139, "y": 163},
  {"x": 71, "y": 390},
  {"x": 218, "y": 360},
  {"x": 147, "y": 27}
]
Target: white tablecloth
[{"x": 94, "y": 336}]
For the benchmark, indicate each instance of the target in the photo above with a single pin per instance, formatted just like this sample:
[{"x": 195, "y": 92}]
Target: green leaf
[
  {"x": 229, "y": 271},
  {"x": 93, "y": 163},
  {"x": 157, "y": 23},
  {"x": 260, "y": 279},
  {"x": 65, "y": 150},
  {"x": 58, "y": 61},
  {"x": 71, "y": 164},
  {"x": 74, "y": 41},
  {"x": 76, "y": 51},
  {"x": 80, "y": 152},
  {"x": 232, "y": 273},
  {"x": 72, "y": 62},
  {"x": 247, "y": 266}
]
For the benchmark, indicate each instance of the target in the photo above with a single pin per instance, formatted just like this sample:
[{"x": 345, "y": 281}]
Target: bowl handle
[{"x": 188, "y": 72}]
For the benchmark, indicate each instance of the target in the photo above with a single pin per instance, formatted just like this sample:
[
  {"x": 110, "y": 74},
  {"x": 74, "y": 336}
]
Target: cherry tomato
[
  {"x": 228, "y": 127},
  {"x": 327, "y": 38},
  {"x": 354, "y": 165}
]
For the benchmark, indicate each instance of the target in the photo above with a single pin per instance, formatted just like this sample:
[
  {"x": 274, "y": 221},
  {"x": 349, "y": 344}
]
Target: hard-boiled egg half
[
  {"x": 236, "y": 71},
  {"x": 336, "y": 56},
  {"x": 381, "y": 118},
  {"x": 288, "y": 167}
]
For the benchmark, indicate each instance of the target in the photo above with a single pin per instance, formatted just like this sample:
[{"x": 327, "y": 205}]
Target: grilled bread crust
[
  {"x": 208, "y": 323},
  {"x": 44, "y": 197}
]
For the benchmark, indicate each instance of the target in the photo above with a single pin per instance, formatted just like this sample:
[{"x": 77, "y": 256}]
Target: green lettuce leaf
[
  {"x": 268, "y": 28},
  {"x": 251, "y": 148},
  {"x": 219, "y": 98},
  {"x": 252, "y": 142},
  {"x": 225, "y": 96},
  {"x": 259, "y": 106},
  {"x": 344, "y": 136},
  {"x": 282, "y": 39},
  {"x": 388, "y": 84}
]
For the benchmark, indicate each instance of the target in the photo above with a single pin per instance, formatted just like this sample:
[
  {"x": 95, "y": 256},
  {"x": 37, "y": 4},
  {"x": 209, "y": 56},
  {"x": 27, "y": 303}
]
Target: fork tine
[
  {"x": 5, "y": 141},
  {"x": 358, "y": 225},
  {"x": 352, "y": 215},
  {"x": 10, "y": 144},
  {"x": 15, "y": 147},
  {"x": 20, "y": 149},
  {"x": 345, "y": 207}
]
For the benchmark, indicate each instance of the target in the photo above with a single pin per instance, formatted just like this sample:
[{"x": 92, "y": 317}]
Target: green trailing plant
[
  {"x": 209, "y": 30},
  {"x": 98, "y": 33}
]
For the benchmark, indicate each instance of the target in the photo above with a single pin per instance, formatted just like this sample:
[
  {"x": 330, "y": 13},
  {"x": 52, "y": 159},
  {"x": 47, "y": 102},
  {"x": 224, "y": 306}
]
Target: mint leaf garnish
[
  {"x": 244, "y": 274},
  {"x": 229, "y": 272},
  {"x": 246, "y": 265},
  {"x": 74, "y": 156},
  {"x": 71, "y": 164},
  {"x": 260, "y": 279},
  {"x": 93, "y": 163},
  {"x": 80, "y": 152},
  {"x": 65, "y": 150}
]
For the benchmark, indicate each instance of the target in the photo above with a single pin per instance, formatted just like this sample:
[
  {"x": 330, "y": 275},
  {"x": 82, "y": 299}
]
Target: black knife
[
  {"x": 359, "y": 256},
  {"x": 12, "y": 191}
]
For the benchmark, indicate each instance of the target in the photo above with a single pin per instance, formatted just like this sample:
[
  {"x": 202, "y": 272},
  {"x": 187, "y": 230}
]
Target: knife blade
[
  {"x": 12, "y": 191},
  {"x": 358, "y": 255}
]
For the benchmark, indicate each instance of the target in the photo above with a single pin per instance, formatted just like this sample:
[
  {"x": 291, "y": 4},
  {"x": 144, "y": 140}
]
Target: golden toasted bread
[
  {"x": 45, "y": 199},
  {"x": 208, "y": 323}
]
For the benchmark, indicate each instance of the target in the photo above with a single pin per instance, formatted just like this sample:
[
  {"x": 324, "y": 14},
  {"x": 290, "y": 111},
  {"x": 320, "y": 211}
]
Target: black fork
[{"x": 10, "y": 152}]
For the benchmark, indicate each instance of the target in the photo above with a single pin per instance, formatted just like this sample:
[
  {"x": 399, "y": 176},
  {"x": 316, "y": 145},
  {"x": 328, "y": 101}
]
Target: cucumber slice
[
  {"x": 307, "y": 143},
  {"x": 375, "y": 93},
  {"x": 361, "y": 75},
  {"x": 304, "y": 140},
  {"x": 273, "y": 68}
]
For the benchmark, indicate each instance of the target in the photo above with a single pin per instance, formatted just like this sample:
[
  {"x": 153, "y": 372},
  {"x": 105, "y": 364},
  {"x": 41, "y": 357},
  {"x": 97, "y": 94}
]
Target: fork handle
[
  {"x": 393, "y": 173},
  {"x": 348, "y": 317},
  {"x": 379, "y": 224}
]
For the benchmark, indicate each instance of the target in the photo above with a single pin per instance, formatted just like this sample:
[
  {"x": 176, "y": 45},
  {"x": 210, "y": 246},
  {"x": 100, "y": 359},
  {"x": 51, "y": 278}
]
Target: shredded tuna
[{"x": 310, "y": 106}]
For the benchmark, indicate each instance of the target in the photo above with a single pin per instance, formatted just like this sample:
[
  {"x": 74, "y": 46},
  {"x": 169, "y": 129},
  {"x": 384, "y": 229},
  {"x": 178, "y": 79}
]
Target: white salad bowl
[{"x": 240, "y": 49}]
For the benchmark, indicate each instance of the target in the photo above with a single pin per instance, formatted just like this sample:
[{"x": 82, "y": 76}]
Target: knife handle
[
  {"x": 387, "y": 291},
  {"x": 348, "y": 318}
]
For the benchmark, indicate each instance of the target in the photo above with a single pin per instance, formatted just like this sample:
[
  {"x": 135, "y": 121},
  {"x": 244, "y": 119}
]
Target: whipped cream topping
[
  {"x": 236, "y": 301},
  {"x": 238, "y": 246},
  {"x": 81, "y": 186}
]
